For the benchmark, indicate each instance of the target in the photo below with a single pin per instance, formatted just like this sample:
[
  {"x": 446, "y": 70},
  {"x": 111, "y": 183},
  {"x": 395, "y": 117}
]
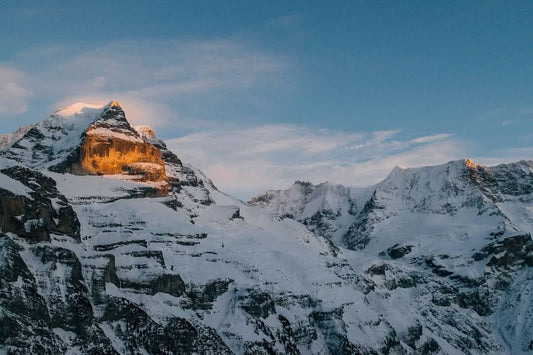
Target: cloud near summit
[{"x": 164, "y": 76}]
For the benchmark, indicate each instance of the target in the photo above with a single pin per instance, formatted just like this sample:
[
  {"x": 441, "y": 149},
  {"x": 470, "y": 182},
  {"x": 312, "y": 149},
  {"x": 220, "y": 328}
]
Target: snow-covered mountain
[
  {"x": 446, "y": 218},
  {"x": 110, "y": 244}
]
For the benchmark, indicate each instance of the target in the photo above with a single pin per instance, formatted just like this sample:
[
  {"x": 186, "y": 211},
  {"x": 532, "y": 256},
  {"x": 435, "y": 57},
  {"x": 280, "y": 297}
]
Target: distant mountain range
[{"x": 110, "y": 244}]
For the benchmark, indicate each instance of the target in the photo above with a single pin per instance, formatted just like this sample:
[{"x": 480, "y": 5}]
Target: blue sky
[{"x": 339, "y": 90}]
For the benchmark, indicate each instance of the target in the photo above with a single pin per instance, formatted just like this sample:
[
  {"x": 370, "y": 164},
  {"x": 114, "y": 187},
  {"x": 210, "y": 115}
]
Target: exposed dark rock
[
  {"x": 174, "y": 204},
  {"x": 259, "y": 304},
  {"x": 50, "y": 303},
  {"x": 437, "y": 269},
  {"x": 70, "y": 308},
  {"x": 20, "y": 299},
  {"x": 27, "y": 320},
  {"x": 287, "y": 337},
  {"x": 167, "y": 283},
  {"x": 430, "y": 347},
  {"x": 236, "y": 214},
  {"x": 330, "y": 324},
  {"x": 377, "y": 269},
  {"x": 392, "y": 344},
  {"x": 407, "y": 281},
  {"x": 112, "y": 246},
  {"x": 509, "y": 251},
  {"x": 110, "y": 272},
  {"x": 358, "y": 235},
  {"x": 505, "y": 179},
  {"x": 412, "y": 335},
  {"x": 178, "y": 336},
  {"x": 203, "y": 297},
  {"x": 156, "y": 255},
  {"x": 398, "y": 251},
  {"x": 478, "y": 300},
  {"x": 35, "y": 217}
]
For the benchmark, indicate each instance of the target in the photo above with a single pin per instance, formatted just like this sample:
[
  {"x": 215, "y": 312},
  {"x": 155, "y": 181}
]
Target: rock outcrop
[{"x": 111, "y": 146}]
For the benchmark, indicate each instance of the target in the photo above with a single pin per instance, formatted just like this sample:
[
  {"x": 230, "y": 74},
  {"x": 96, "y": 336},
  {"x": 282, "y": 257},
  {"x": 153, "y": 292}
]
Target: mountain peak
[
  {"x": 470, "y": 163},
  {"x": 112, "y": 146},
  {"x": 86, "y": 139},
  {"x": 114, "y": 103}
]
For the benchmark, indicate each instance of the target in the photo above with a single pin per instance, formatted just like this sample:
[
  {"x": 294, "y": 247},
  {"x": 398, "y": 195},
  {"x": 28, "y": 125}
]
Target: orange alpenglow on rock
[
  {"x": 101, "y": 154},
  {"x": 114, "y": 103},
  {"x": 470, "y": 163},
  {"x": 112, "y": 146}
]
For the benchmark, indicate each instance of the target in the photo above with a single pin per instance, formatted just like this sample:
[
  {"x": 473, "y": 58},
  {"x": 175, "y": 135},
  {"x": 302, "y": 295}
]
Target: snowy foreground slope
[{"x": 432, "y": 260}]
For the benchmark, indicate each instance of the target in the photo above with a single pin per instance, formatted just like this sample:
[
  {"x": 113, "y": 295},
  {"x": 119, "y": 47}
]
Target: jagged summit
[
  {"x": 470, "y": 163},
  {"x": 347, "y": 215},
  {"x": 89, "y": 139},
  {"x": 112, "y": 120},
  {"x": 114, "y": 103}
]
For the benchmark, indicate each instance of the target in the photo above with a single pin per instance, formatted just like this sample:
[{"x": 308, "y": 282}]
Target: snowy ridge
[
  {"x": 326, "y": 208},
  {"x": 7, "y": 139},
  {"x": 52, "y": 140},
  {"x": 445, "y": 190},
  {"x": 112, "y": 123}
]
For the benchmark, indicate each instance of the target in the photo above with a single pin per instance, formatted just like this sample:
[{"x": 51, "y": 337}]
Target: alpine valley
[{"x": 110, "y": 244}]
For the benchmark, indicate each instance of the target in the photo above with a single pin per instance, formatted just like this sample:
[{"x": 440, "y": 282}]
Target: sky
[{"x": 261, "y": 93}]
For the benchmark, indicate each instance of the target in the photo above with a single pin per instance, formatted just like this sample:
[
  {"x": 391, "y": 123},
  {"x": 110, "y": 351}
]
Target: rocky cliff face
[
  {"x": 89, "y": 140},
  {"x": 440, "y": 258},
  {"x": 111, "y": 146}
]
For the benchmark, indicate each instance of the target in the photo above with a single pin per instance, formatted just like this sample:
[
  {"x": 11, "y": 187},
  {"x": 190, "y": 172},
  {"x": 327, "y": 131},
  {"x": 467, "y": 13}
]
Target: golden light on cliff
[
  {"x": 99, "y": 155},
  {"x": 470, "y": 163},
  {"x": 114, "y": 103}
]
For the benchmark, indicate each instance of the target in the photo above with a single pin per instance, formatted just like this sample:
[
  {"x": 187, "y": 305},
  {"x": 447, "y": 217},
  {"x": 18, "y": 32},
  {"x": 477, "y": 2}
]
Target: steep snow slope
[
  {"x": 326, "y": 209},
  {"x": 104, "y": 264},
  {"x": 457, "y": 198},
  {"x": 50, "y": 141}
]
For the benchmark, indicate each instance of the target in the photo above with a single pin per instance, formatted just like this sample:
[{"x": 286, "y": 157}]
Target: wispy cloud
[
  {"x": 157, "y": 75},
  {"x": 248, "y": 161},
  {"x": 429, "y": 139},
  {"x": 13, "y": 94},
  {"x": 508, "y": 122}
]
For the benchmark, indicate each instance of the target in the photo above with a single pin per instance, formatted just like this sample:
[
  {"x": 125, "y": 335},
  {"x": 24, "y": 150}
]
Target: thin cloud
[
  {"x": 245, "y": 162},
  {"x": 13, "y": 94},
  {"x": 508, "y": 122},
  {"x": 159, "y": 73},
  {"x": 432, "y": 138}
]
